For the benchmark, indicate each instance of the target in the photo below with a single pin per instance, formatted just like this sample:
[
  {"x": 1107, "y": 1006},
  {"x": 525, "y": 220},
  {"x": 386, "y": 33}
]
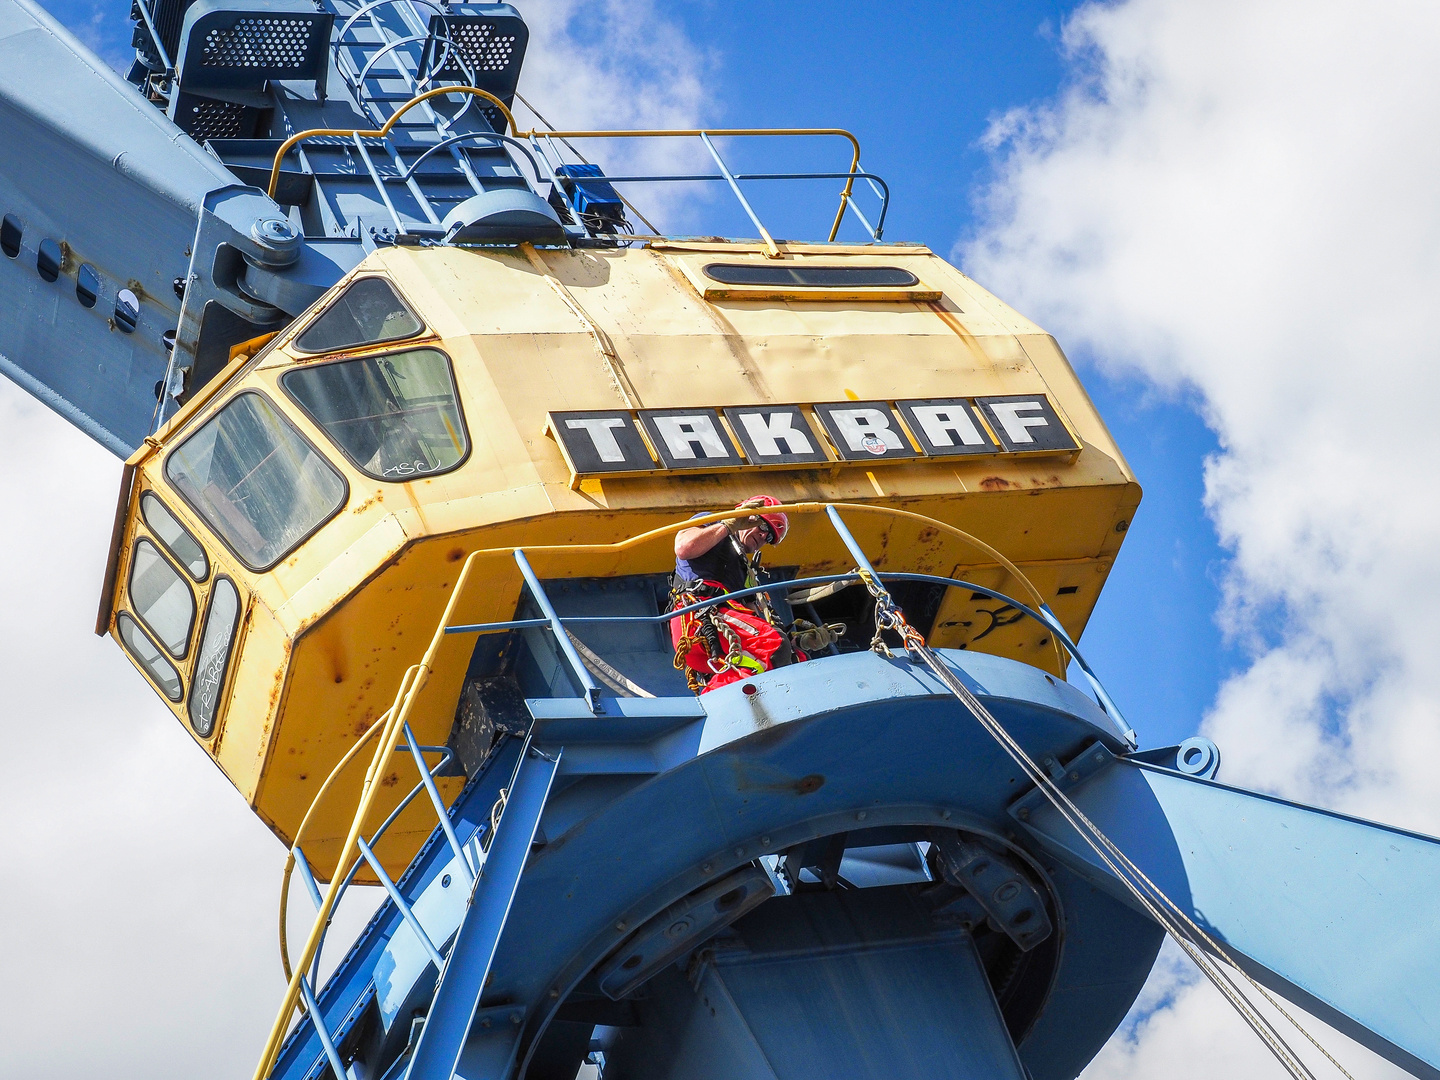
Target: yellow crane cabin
[{"x": 286, "y": 545}]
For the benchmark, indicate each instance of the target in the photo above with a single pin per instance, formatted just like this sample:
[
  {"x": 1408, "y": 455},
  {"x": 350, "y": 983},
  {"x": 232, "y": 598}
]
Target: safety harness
[{"x": 714, "y": 627}]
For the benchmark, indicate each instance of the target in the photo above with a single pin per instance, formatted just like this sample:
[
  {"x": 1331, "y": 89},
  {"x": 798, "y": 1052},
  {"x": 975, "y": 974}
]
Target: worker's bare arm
[{"x": 690, "y": 543}]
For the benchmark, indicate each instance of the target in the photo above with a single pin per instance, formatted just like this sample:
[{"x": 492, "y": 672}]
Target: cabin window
[
  {"x": 174, "y": 536},
  {"x": 813, "y": 277},
  {"x": 255, "y": 480},
  {"x": 369, "y": 312},
  {"x": 150, "y": 659},
  {"x": 396, "y": 417},
  {"x": 161, "y": 599},
  {"x": 214, "y": 660}
]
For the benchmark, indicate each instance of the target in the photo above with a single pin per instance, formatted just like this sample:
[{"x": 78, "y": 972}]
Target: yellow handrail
[
  {"x": 380, "y": 133},
  {"x": 394, "y": 719},
  {"x": 305, "y": 824},
  {"x": 696, "y": 132}
]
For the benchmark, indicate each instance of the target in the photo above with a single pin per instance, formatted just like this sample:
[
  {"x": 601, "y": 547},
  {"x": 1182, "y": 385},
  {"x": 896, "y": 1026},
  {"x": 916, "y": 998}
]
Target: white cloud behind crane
[{"x": 1236, "y": 202}]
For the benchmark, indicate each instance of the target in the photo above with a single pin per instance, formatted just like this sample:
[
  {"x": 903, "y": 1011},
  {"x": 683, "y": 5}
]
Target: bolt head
[{"x": 274, "y": 230}]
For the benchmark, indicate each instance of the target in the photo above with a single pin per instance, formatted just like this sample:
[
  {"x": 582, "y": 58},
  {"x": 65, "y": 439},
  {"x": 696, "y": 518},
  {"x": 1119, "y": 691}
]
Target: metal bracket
[
  {"x": 682, "y": 926},
  {"x": 1014, "y": 905},
  {"x": 1066, "y": 777}
]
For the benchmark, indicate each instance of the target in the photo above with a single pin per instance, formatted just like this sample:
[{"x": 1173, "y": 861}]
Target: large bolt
[{"x": 273, "y": 232}]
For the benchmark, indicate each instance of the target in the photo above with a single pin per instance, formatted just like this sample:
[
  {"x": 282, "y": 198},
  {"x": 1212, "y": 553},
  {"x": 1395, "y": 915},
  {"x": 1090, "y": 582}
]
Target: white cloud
[
  {"x": 140, "y": 898},
  {"x": 1237, "y": 200},
  {"x": 620, "y": 65}
]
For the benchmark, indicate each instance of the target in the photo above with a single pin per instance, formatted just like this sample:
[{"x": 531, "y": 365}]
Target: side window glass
[
  {"x": 396, "y": 417},
  {"x": 368, "y": 312},
  {"x": 174, "y": 536},
  {"x": 255, "y": 481},
  {"x": 161, "y": 599},
  {"x": 215, "y": 641},
  {"x": 148, "y": 656}
]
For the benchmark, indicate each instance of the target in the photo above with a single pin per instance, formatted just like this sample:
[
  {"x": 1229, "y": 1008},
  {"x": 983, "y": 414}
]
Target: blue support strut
[
  {"x": 468, "y": 966},
  {"x": 1321, "y": 908}
]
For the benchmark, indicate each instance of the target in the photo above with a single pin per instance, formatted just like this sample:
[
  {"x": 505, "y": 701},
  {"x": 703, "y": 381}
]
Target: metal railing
[
  {"x": 539, "y": 149},
  {"x": 1039, "y": 613},
  {"x": 707, "y": 137},
  {"x": 357, "y": 850}
]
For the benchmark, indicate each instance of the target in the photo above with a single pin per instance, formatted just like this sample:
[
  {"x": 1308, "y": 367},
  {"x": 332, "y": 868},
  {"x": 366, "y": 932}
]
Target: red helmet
[{"x": 775, "y": 525}]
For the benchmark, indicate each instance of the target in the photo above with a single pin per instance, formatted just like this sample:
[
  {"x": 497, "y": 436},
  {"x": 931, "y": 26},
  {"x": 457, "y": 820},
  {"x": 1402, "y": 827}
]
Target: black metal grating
[
  {"x": 259, "y": 42},
  {"x": 204, "y": 119},
  {"x": 479, "y": 45}
]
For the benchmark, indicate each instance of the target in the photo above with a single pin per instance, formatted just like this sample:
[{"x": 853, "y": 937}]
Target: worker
[{"x": 729, "y": 641}]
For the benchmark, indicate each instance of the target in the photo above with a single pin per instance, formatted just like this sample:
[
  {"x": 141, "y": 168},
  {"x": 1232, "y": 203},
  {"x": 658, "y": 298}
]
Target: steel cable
[{"x": 1191, "y": 938}]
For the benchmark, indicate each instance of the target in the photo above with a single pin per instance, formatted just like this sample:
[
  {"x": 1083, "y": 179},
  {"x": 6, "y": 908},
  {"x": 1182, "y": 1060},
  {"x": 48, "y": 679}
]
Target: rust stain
[
  {"x": 995, "y": 483},
  {"x": 378, "y": 497},
  {"x": 455, "y": 554}
]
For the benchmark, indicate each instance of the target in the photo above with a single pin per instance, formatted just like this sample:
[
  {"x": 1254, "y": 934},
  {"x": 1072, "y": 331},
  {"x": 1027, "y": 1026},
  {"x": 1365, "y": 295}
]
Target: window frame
[
  {"x": 185, "y": 579},
  {"x": 305, "y": 539},
  {"x": 163, "y": 652},
  {"x": 225, "y": 672},
  {"x": 150, "y": 529},
  {"x": 799, "y": 268},
  {"x": 388, "y": 351},
  {"x": 302, "y": 353}
]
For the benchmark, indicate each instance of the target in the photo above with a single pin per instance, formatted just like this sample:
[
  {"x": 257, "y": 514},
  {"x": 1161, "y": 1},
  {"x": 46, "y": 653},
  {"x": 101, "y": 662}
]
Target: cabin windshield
[
  {"x": 396, "y": 417},
  {"x": 255, "y": 481},
  {"x": 161, "y": 598}
]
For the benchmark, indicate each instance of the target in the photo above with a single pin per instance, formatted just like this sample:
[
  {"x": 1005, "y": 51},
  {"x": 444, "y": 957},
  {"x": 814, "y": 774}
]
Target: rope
[
  {"x": 495, "y": 812},
  {"x": 1181, "y": 928},
  {"x": 612, "y": 678}
]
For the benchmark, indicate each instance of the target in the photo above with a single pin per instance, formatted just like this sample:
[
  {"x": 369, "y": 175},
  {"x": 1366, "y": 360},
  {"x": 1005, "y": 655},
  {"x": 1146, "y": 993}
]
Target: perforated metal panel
[
  {"x": 487, "y": 50},
  {"x": 202, "y": 118},
  {"x": 272, "y": 42},
  {"x": 482, "y": 46}
]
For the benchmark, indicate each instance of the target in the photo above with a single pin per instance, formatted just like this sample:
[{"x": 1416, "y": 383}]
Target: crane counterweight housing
[{"x": 412, "y": 412}]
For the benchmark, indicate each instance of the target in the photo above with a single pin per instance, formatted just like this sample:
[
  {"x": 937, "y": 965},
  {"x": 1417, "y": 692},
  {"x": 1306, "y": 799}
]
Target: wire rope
[
  {"x": 1185, "y": 932},
  {"x": 571, "y": 147}
]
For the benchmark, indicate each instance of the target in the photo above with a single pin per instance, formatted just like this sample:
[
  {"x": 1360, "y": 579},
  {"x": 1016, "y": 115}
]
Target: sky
[{"x": 1226, "y": 215}]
